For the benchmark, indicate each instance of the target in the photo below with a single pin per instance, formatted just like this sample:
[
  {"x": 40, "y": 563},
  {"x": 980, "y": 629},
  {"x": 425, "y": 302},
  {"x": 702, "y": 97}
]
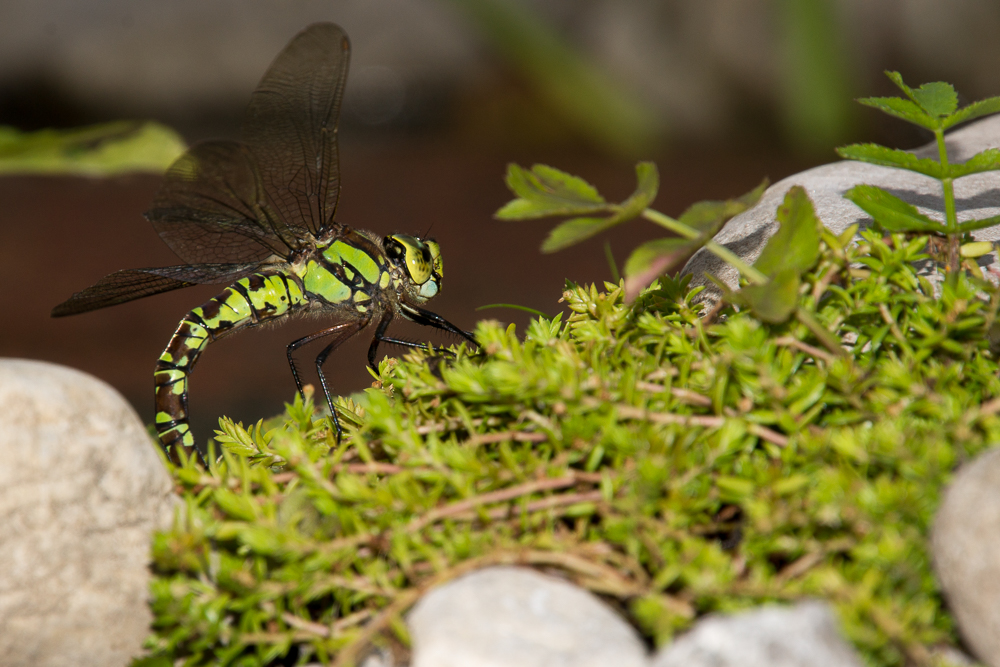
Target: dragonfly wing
[
  {"x": 291, "y": 127},
  {"x": 211, "y": 208},
  {"x": 131, "y": 284}
]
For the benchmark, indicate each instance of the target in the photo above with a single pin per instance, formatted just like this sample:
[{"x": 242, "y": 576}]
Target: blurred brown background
[{"x": 442, "y": 94}]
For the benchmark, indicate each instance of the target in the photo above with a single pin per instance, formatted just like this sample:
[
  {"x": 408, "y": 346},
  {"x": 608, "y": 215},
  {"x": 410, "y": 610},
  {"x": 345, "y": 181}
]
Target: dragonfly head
[{"x": 420, "y": 261}]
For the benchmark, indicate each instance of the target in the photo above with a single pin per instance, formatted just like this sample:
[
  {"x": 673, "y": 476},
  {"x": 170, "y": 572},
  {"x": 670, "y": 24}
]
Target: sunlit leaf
[
  {"x": 888, "y": 210},
  {"x": 97, "y": 150},
  {"x": 544, "y": 191},
  {"x": 575, "y": 230}
]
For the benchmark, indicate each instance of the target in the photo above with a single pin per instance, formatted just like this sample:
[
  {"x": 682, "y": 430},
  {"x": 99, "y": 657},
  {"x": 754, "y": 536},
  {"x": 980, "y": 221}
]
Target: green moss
[{"x": 675, "y": 464}]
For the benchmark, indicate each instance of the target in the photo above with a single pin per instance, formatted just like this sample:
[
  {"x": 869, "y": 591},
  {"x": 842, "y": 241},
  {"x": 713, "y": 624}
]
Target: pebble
[
  {"x": 965, "y": 544},
  {"x": 81, "y": 490},
  {"x": 977, "y": 196},
  {"x": 804, "y": 635},
  {"x": 517, "y": 617}
]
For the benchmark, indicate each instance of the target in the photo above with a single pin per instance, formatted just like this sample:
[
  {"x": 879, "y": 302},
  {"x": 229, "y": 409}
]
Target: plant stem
[
  {"x": 723, "y": 253},
  {"x": 950, "y": 216}
]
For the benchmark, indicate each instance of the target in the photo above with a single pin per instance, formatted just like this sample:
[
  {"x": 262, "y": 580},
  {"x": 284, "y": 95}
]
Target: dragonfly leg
[
  {"x": 341, "y": 332},
  {"x": 429, "y": 319}
]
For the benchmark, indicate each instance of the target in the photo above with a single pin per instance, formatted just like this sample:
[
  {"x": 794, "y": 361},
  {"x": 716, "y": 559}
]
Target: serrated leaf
[
  {"x": 973, "y": 225},
  {"x": 936, "y": 98},
  {"x": 575, "y": 230},
  {"x": 774, "y": 301},
  {"x": 96, "y": 150},
  {"x": 897, "y": 79},
  {"x": 891, "y": 157},
  {"x": 987, "y": 160},
  {"x": 978, "y": 109},
  {"x": 900, "y": 108},
  {"x": 545, "y": 191},
  {"x": 888, "y": 210},
  {"x": 796, "y": 243}
]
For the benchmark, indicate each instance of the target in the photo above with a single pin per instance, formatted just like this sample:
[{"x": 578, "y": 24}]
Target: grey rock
[
  {"x": 977, "y": 196},
  {"x": 81, "y": 489},
  {"x": 517, "y": 617},
  {"x": 965, "y": 543},
  {"x": 804, "y": 635}
]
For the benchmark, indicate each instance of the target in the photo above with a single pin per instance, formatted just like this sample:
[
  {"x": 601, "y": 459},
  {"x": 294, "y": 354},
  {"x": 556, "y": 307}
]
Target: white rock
[
  {"x": 977, "y": 196},
  {"x": 516, "y": 617},
  {"x": 81, "y": 489},
  {"x": 801, "y": 636},
  {"x": 965, "y": 544}
]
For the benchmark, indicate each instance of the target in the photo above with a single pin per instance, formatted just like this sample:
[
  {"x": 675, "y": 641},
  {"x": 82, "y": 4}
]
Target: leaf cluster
[
  {"x": 932, "y": 106},
  {"x": 672, "y": 466},
  {"x": 544, "y": 191}
]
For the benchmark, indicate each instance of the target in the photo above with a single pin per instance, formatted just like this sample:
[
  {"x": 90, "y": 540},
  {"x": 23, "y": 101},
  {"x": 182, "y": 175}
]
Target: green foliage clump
[
  {"x": 673, "y": 461},
  {"x": 97, "y": 150}
]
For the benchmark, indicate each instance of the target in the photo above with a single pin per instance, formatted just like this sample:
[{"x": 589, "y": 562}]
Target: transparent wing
[
  {"x": 130, "y": 284},
  {"x": 211, "y": 208},
  {"x": 291, "y": 127}
]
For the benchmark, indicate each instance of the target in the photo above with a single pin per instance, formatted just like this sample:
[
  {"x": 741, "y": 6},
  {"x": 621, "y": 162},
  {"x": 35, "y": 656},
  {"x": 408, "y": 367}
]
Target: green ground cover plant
[{"x": 673, "y": 457}]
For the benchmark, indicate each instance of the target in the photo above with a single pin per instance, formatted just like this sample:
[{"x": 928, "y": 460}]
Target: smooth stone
[
  {"x": 81, "y": 490},
  {"x": 977, "y": 196},
  {"x": 965, "y": 544},
  {"x": 517, "y": 617},
  {"x": 804, "y": 635}
]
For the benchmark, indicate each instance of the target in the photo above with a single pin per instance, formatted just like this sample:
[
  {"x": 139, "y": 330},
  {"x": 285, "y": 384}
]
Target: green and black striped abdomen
[{"x": 251, "y": 300}]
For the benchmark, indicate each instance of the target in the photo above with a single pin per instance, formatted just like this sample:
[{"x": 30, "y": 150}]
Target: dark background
[{"x": 444, "y": 100}]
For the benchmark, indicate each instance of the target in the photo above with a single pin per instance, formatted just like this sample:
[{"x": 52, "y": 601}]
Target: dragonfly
[{"x": 258, "y": 214}]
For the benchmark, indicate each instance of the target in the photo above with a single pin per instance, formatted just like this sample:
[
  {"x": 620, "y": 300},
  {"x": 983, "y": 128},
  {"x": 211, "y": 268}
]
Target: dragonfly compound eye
[{"x": 415, "y": 256}]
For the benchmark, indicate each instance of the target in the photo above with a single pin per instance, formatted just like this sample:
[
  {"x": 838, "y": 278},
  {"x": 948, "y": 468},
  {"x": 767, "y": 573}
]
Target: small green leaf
[
  {"x": 975, "y": 110},
  {"x": 575, "y": 230},
  {"x": 236, "y": 506},
  {"x": 937, "y": 98},
  {"x": 796, "y": 243},
  {"x": 890, "y": 157},
  {"x": 654, "y": 258},
  {"x": 888, "y": 210},
  {"x": 734, "y": 489},
  {"x": 708, "y": 217},
  {"x": 987, "y": 160},
  {"x": 973, "y": 225},
  {"x": 975, "y": 249},
  {"x": 900, "y": 108},
  {"x": 775, "y": 300},
  {"x": 545, "y": 191},
  {"x": 96, "y": 150}
]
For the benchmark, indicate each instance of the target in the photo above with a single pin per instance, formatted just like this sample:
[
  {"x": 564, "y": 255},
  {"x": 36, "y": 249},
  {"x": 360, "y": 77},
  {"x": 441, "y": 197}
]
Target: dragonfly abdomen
[{"x": 251, "y": 300}]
